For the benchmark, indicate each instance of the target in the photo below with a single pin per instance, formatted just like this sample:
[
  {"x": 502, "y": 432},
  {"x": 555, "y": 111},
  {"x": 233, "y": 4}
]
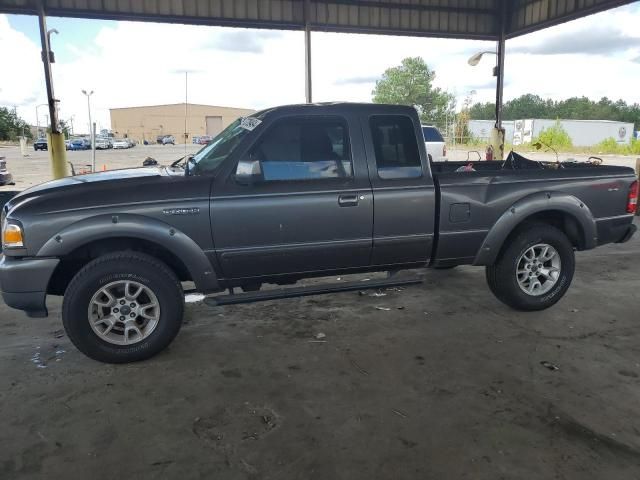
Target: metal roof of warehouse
[{"x": 479, "y": 19}]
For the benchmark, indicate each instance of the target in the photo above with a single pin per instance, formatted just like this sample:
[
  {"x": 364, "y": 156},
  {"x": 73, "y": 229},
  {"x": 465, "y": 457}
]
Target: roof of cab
[{"x": 338, "y": 107}]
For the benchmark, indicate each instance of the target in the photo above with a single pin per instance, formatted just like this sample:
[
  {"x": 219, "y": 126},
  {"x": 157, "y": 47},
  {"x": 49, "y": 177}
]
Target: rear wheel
[
  {"x": 123, "y": 307},
  {"x": 535, "y": 270}
]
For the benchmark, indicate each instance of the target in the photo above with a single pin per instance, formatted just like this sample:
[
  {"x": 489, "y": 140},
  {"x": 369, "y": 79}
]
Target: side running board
[{"x": 279, "y": 293}]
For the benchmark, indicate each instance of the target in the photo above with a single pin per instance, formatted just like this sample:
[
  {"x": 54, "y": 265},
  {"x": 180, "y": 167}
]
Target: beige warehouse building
[{"x": 147, "y": 123}]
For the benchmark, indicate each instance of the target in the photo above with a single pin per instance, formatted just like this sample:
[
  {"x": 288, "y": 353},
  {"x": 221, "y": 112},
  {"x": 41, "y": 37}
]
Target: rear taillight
[
  {"x": 444, "y": 150},
  {"x": 632, "y": 199}
]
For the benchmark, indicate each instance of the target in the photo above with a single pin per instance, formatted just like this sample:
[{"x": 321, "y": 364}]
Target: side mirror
[{"x": 248, "y": 172}]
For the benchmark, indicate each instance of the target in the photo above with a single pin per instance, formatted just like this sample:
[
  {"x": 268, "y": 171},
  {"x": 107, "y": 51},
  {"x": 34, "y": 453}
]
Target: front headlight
[{"x": 12, "y": 236}]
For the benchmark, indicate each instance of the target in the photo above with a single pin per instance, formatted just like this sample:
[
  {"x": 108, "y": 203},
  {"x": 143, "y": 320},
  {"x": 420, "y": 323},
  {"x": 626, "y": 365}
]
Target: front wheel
[
  {"x": 123, "y": 307},
  {"x": 535, "y": 270}
]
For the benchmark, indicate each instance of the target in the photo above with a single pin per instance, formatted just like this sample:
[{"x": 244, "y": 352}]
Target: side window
[
  {"x": 304, "y": 149},
  {"x": 395, "y": 146}
]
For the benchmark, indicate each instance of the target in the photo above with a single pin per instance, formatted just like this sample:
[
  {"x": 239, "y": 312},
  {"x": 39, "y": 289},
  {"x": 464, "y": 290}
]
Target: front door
[{"x": 312, "y": 209}]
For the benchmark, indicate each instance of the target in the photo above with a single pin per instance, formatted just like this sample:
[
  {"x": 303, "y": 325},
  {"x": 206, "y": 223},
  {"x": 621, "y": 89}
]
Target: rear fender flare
[
  {"x": 140, "y": 227},
  {"x": 530, "y": 205}
]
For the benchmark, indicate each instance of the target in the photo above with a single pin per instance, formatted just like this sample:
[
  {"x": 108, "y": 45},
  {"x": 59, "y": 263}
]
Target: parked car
[
  {"x": 132, "y": 143},
  {"x": 40, "y": 144},
  {"x": 79, "y": 144},
  {"x": 120, "y": 143},
  {"x": 203, "y": 140},
  {"x": 5, "y": 176},
  {"x": 435, "y": 144},
  {"x": 168, "y": 140},
  {"x": 295, "y": 192},
  {"x": 67, "y": 144},
  {"x": 103, "y": 143}
]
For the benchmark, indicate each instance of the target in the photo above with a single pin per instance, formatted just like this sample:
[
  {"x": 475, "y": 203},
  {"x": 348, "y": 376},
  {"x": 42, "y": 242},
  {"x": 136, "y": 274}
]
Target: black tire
[
  {"x": 135, "y": 266},
  {"x": 502, "y": 278}
]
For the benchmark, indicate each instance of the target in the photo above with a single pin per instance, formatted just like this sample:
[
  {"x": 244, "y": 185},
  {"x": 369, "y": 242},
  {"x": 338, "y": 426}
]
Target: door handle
[{"x": 348, "y": 200}]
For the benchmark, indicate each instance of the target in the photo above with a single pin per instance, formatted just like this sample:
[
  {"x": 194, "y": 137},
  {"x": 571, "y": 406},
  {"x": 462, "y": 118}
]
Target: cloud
[
  {"x": 357, "y": 80},
  {"x": 28, "y": 100},
  {"x": 21, "y": 82},
  {"x": 243, "y": 41},
  {"x": 481, "y": 85},
  {"x": 600, "y": 40},
  {"x": 261, "y": 68}
]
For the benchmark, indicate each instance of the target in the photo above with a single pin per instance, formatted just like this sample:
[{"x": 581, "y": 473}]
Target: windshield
[{"x": 212, "y": 155}]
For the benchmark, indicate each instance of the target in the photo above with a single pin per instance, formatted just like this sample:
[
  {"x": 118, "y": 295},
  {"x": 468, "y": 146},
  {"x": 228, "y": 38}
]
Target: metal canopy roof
[{"x": 479, "y": 19}]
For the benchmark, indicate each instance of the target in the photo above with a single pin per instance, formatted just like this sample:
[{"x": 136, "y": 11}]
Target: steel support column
[
  {"x": 499, "y": 131},
  {"x": 307, "y": 54},
  {"x": 56, "y": 147}
]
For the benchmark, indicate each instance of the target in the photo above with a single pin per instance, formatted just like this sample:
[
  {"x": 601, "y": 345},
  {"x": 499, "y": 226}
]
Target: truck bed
[{"x": 471, "y": 202}]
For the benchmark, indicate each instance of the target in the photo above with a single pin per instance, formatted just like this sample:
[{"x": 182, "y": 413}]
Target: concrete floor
[{"x": 446, "y": 384}]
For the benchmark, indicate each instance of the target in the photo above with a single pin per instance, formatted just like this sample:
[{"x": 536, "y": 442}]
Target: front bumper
[{"x": 24, "y": 281}]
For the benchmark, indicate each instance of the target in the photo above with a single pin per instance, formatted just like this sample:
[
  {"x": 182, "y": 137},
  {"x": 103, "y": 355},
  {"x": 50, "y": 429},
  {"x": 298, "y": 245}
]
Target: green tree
[
  {"x": 555, "y": 137},
  {"x": 411, "y": 83},
  {"x": 462, "y": 133},
  {"x": 483, "y": 111},
  {"x": 576, "y": 108},
  {"x": 12, "y": 126},
  {"x": 64, "y": 127}
]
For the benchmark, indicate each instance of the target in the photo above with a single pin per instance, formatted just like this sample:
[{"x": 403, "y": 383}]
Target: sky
[{"x": 134, "y": 64}]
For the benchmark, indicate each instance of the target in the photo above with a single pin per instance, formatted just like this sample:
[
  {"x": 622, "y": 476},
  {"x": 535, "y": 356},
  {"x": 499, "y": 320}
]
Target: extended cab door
[
  {"x": 403, "y": 189},
  {"x": 312, "y": 208}
]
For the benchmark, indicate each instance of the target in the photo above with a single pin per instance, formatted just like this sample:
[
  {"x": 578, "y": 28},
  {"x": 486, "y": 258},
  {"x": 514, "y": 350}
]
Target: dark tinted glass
[
  {"x": 431, "y": 134},
  {"x": 305, "y": 149},
  {"x": 396, "y": 147}
]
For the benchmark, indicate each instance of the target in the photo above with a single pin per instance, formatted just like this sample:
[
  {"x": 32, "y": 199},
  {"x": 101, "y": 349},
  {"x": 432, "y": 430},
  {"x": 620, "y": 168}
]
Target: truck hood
[{"x": 76, "y": 183}]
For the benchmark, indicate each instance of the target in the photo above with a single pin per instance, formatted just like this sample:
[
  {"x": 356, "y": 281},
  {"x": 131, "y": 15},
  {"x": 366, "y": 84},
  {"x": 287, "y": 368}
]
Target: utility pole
[
  {"x": 186, "y": 103},
  {"x": 38, "y": 118},
  {"x": 92, "y": 131}
]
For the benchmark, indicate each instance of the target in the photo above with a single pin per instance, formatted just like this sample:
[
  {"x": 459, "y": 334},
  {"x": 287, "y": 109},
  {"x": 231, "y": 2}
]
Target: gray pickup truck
[{"x": 289, "y": 193}]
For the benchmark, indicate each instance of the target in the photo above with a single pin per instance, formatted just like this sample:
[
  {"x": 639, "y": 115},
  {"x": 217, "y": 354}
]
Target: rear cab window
[{"x": 395, "y": 146}]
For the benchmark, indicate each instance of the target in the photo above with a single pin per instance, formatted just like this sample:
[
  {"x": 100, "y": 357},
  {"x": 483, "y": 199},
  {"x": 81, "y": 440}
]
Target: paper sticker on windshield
[{"x": 249, "y": 123}]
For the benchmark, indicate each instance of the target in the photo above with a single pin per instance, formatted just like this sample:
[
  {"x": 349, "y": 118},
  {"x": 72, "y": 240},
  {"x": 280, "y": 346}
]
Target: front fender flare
[
  {"x": 135, "y": 226},
  {"x": 530, "y": 205}
]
